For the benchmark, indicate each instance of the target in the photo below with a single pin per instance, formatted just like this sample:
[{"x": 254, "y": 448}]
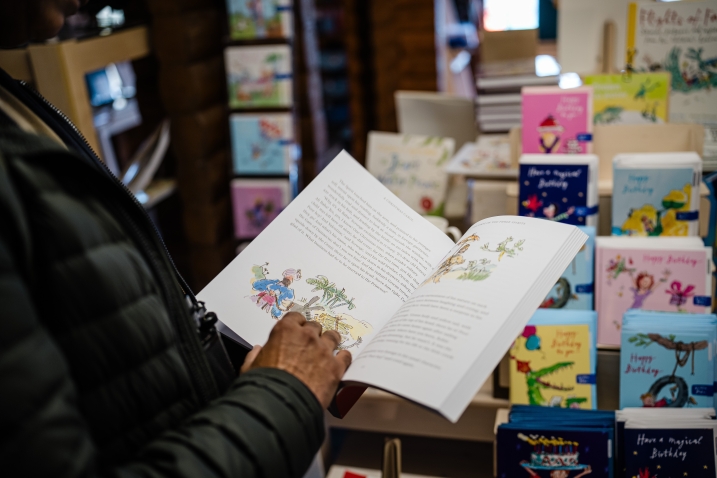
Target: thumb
[{"x": 249, "y": 360}]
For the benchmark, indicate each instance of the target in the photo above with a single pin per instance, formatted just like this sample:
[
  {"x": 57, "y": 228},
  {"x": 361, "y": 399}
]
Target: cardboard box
[
  {"x": 508, "y": 45},
  {"x": 610, "y": 140}
]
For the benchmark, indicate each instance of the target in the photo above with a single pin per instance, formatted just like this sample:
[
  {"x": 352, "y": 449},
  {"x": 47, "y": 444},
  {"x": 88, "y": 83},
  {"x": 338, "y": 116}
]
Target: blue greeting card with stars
[
  {"x": 532, "y": 450},
  {"x": 670, "y": 452},
  {"x": 559, "y": 188}
]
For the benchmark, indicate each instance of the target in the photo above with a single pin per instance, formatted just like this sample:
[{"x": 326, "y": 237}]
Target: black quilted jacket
[{"x": 101, "y": 370}]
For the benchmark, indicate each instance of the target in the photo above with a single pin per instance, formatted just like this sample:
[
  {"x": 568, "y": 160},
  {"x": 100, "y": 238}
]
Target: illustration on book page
[
  {"x": 279, "y": 296},
  {"x": 470, "y": 262}
]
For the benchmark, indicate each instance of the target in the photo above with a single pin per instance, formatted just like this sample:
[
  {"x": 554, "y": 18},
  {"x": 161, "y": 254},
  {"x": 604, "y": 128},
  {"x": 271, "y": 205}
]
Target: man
[{"x": 102, "y": 372}]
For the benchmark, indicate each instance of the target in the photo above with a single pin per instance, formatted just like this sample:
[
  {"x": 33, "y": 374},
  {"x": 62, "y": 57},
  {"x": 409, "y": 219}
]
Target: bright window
[{"x": 499, "y": 15}]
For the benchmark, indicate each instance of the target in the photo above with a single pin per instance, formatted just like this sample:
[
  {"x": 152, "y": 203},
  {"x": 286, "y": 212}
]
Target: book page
[
  {"x": 346, "y": 252},
  {"x": 475, "y": 303}
]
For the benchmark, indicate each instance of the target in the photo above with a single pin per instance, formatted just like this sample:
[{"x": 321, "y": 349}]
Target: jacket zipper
[{"x": 203, "y": 377}]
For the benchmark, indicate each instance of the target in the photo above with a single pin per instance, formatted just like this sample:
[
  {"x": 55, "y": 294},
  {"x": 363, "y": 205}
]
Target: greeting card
[
  {"x": 639, "y": 98},
  {"x": 656, "y": 194},
  {"x": 249, "y": 19},
  {"x": 667, "y": 274},
  {"x": 557, "y": 120},
  {"x": 256, "y": 203},
  {"x": 412, "y": 167},
  {"x": 553, "y": 361},
  {"x": 259, "y": 76},
  {"x": 667, "y": 360},
  {"x": 262, "y": 143},
  {"x": 574, "y": 290}
]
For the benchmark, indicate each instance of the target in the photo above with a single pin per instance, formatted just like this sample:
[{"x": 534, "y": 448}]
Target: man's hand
[{"x": 299, "y": 347}]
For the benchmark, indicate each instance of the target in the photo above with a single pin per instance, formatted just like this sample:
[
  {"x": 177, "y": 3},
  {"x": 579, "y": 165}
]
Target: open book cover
[
  {"x": 656, "y": 194},
  {"x": 639, "y": 98},
  {"x": 553, "y": 361},
  {"x": 556, "y": 120},
  {"x": 559, "y": 187},
  {"x": 424, "y": 318},
  {"x": 574, "y": 289},
  {"x": 668, "y": 360},
  {"x": 661, "y": 274}
]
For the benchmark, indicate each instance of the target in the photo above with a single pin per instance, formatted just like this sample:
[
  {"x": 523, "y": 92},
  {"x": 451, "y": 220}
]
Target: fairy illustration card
[
  {"x": 250, "y": 19},
  {"x": 552, "y": 363},
  {"x": 259, "y": 76},
  {"x": 659, "y": 274},
  {"x": 534, "y": 451},
  {"x": 256, "y": 203},
  {"x": 262, "y": 143},
  {"x": 557, "y": 120}
]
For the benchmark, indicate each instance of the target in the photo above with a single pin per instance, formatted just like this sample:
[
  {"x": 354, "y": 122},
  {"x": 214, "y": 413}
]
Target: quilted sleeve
[{"x": 268, "y": 424}]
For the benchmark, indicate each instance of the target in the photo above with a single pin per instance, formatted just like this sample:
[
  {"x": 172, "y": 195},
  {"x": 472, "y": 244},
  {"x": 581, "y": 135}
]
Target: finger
[
  {"x": 250, "y": 357},
  {"x": 313, "y": 325},
  {"x": 294, "y": 318},
  {"x": 332, "y": 338},
  {"x": 344, "y": 357}
]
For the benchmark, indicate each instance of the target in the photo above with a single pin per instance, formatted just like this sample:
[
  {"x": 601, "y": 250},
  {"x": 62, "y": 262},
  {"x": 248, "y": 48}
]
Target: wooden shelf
[{"x": 58, "y": 70}]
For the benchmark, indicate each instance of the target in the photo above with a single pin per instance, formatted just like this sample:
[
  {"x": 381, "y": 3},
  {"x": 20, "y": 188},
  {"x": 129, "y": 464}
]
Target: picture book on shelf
[
  {"x": 678, "y": 38},
  {"x": 259, "y": 76},
  {"x": 553, "y": 361},
  {"x": 668, "y": 274},
  {"x": 256, "y": 203},
  {"x": 668, "y": 448},
  {"x": 412, "y": 167},
  {"x": 555, "y": 442},
  {"x": 262, "y": 143},
  {"x": 559, "y": 187},
  {"x": 557, "y": 120},
  {"x": 639, "y": 98},
  {"x": 667, "y": 360},
  {"x": 574, "y": 289},
  {"x": 656, "y": 194},
  {"x": 424, "y": 317},
  {"x": 251, "y": 19}
]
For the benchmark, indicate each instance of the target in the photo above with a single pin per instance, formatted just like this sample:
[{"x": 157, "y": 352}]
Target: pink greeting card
[
  {"x": 256, "y": 203},
  {"x": 556, "y": 120},
  {"x": 665, "y": 280}
]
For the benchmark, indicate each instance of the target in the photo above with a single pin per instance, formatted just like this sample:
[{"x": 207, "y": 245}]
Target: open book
[{"x": 424, "y": 318}]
